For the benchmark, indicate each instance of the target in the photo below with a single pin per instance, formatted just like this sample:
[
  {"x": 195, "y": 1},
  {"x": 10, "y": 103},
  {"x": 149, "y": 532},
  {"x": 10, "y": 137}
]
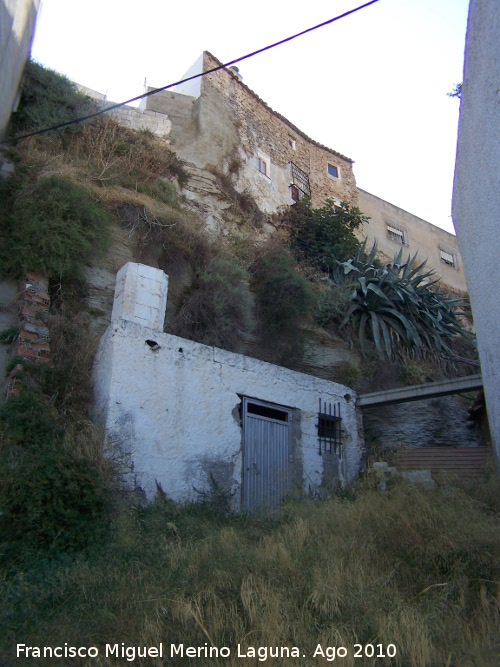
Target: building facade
[
  {"x": 219, "y": 124},
  {"x": 188, "y": 417}
]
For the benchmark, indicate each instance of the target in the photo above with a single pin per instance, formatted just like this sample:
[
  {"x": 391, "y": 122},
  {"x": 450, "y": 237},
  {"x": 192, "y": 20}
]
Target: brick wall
[{"x": 32, "y": 344}]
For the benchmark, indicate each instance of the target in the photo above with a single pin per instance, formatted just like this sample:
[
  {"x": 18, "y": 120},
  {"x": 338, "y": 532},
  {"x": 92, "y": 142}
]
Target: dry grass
[{"x": 411, "y": 568}]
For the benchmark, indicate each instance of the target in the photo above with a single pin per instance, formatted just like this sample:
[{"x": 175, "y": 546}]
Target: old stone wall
[
  {"x": 32, "y": 344},
  {"x": 263, "y": 131}
]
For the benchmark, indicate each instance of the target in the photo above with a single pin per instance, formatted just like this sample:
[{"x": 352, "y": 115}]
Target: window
[
  {"x": 294, "y": 193},
  {"x": 262, "y": 166},
  {"x": 397, "y": 233},
  {"x": 333, "y": 170},
  {"x": 299, "y": 183},
  {"x": 329, "y": 427},
  {"x": 292, "y": 143},
  {"x": 448, "y": 258}
]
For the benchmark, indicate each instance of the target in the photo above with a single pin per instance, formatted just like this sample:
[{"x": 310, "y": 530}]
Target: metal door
[{"x": 266, "y": 455}]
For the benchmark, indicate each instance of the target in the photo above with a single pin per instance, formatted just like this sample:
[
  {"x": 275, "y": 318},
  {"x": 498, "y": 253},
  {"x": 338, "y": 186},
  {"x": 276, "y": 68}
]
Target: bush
[
  {"x": 118, "y": 155},
  {"x": 217, "y": 308},
  {"x": 397, "y": 306},
  {"x": 49, "y": 495},
  {"x": 53, "y": 225},
  {"x": 284, "y": 296},
  {"x": 321, "y": 236},
  {"x": 47, "y": 98}
]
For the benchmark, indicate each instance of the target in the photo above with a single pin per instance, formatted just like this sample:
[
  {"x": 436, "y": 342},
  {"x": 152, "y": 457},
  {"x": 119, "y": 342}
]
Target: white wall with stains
[{"x": 171, "y": 407}]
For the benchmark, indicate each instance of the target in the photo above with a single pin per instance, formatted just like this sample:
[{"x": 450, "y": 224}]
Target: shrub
[
  {"x": 217, "y": 308},
  {"x": 47, "y": 98},
  {"x": 284, "y": 296},
  {"x": 397, "y": 306},
  {"x": 117, "y": 154},
  {"x": 49, "y": 495},
  {"x": 321, "y": 236},
  {"x": 53, "y": 226}
]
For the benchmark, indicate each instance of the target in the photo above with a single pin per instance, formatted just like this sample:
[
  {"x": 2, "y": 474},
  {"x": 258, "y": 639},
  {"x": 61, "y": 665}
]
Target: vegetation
[
  {"x": 396, "y": 306},
  {"x": 47, "y": 99},
  {"x": 53, "y": 225},
  {"x": 321, "y": 236},
  {"x": 84, "y": 565},
  {"x": 217, "y": 307},
  {"x": 413, "y": 568}
]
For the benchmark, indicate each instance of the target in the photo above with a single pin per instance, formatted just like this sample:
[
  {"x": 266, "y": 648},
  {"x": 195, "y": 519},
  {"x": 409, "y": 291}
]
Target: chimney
[{"x": 141, "y": 295}]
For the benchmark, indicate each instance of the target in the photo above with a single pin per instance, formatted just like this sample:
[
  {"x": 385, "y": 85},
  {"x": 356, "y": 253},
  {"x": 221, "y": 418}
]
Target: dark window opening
[
  {"x": 329, "y": 428},
  {"x": 267, "y": 411}
]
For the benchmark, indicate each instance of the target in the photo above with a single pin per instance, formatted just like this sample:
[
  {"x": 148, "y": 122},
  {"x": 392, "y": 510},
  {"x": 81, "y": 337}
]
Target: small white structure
[{"x": 186, "y": 415}]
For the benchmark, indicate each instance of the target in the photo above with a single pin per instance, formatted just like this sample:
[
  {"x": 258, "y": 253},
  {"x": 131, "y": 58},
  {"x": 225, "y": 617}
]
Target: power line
[{"x": 190, "y": 78}]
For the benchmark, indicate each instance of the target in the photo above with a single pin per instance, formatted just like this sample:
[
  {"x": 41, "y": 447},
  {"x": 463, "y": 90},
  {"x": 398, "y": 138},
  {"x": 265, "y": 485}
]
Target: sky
[{"x": 372, "y": 85}]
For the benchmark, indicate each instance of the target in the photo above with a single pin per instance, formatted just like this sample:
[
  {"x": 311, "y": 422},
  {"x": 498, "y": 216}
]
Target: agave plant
[{"x": 398, "y": 306}]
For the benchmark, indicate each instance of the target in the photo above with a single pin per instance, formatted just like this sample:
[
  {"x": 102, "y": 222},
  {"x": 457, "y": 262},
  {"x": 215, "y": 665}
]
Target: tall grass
[{"x": 412, "y": 568}]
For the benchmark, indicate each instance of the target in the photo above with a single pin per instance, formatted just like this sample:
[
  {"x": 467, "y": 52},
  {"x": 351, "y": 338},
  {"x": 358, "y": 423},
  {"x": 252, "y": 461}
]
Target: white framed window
[
  {"x": 264, "y": 165},
  {"x": 448, "y": 257},
  {"x": 396, "y": 233},
  {"x": 333, "y": 170}
]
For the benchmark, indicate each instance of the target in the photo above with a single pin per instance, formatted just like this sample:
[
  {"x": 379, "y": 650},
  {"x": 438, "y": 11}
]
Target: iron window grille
[
  {"x": 299, "y": 186},
  {"x": 329, "y": 428}
]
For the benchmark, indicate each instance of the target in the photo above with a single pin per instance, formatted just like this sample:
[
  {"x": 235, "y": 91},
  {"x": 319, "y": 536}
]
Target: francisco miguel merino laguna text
[{"x": 130, "y": 653}]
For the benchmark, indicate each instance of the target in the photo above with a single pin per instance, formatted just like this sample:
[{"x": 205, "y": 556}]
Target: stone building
[
  {"x": 394, "y": 229},
  {"x": 219, "y": 125}
]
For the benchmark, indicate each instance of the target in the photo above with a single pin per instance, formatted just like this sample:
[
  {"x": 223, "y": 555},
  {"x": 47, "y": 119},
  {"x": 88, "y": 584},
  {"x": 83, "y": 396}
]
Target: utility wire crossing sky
[
  {"x": 189, "y": 78},
  {"x": 372, "y": 86}
]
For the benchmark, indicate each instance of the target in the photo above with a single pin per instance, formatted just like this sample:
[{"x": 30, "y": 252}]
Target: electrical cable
[{"x": 189, "y": 78}]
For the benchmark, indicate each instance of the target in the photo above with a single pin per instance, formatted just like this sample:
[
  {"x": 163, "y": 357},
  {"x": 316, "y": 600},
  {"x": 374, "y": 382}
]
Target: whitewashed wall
[{"x": 174, "y": 411}]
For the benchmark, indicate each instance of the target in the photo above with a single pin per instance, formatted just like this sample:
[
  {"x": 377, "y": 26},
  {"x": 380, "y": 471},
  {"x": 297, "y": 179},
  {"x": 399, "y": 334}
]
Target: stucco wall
[
  {"x": 476, "y": 193},
  {"x": 420, "y": 236},
  {"x": 17, "y": 25},
  {"x": 172, "y": 407},
  {"x": 174, "y": 412}
]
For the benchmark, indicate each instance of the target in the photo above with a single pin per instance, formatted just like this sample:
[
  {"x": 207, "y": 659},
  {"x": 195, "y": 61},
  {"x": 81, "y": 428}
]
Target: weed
[
  {"x": 406, "y": 567},
  {"x": 217, "y": 308},
  {"x": 53, "y": 226},
  {"x": 8, "y": 336},
  {"x": 48, "y": 98}
]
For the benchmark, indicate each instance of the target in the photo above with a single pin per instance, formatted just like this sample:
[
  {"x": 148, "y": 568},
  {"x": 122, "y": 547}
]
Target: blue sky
[{"x": 371, "y": 86}]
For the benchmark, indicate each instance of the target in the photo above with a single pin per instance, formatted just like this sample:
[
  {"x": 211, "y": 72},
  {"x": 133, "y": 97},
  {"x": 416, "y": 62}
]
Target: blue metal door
[{"x": 266, "y": 455}]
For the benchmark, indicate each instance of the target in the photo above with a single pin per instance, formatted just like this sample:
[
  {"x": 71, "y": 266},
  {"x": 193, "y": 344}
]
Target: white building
[{"x": 185, "y": 415}]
